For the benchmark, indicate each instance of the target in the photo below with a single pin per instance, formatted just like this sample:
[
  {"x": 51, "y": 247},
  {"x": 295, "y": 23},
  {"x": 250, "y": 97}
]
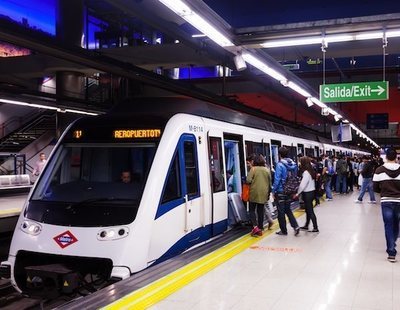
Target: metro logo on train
[{"x": 65, "y": 239}]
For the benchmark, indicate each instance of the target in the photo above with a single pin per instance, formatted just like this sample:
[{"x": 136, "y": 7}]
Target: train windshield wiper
[{"x": 101, "y": 199}]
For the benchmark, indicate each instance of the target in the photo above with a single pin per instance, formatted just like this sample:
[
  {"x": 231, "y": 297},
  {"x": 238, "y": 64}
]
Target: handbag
[{"x": 246, "y": 192}]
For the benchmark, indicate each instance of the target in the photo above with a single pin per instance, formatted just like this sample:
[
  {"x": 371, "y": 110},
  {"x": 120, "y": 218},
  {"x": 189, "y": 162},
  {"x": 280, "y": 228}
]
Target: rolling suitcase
[{"x": 237, "y": 209}]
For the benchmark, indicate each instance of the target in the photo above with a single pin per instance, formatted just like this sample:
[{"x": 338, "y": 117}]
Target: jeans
[
  {"x": 367, "y": 184},
  {"x": 310, "y": 215},
  {"x": 253, "y": 206},
  {"x": 391, "y": 219},
  {"x": 341, "y": 179},
  {"x": 328, "y": 190},
  {"x": 283, "y": 206}
]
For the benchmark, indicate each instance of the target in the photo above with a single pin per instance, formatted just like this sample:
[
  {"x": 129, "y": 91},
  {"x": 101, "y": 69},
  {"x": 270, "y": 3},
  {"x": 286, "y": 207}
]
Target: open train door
[{"x": 219, "y": 195}]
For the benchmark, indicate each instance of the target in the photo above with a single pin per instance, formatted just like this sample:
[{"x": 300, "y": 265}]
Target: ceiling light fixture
[
  {"x": 298, "y": 89},
  {"x": 367, "y": 35},
  {"x": 181, "y": 9},
  {"x": 260, "y": 65},
  {"x": 41, "y": 106},
  {"x": 309, "y": 102},
  {"x": 239, "y": 63}
]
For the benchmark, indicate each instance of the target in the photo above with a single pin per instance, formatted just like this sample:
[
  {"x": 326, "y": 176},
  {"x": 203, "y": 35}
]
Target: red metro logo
[{"x": 65, "y": 239}]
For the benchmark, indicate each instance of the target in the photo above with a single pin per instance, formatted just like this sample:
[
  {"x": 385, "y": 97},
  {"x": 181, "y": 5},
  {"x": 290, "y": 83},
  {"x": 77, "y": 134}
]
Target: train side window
[
  {"x": 191, "y": 169},
  {"x": 173, "y": 186}
]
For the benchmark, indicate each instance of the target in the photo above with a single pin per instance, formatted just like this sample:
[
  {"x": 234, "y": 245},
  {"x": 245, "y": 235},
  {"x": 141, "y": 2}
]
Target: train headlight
[
  {"x": 31, "y": 228},
  {"x": 107, "y": 234}
]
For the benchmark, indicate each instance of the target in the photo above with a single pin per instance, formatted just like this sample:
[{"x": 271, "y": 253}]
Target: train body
[{"x": 81, "y": 219}]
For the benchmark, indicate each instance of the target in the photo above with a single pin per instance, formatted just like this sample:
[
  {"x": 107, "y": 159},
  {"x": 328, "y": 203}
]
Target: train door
[
  {"x": 300, "y": 149},
  {"x": 234, "y": 161},
  {"x": 219, "y": 197}
]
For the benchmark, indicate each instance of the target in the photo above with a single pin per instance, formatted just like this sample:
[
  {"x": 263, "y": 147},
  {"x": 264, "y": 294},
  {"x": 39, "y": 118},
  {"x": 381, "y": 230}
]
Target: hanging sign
[{"x": 364, "y": 91}]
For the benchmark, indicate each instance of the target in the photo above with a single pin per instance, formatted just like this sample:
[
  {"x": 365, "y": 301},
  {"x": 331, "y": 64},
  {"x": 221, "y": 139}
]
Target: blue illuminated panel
[{"x": 35, "y": 14}]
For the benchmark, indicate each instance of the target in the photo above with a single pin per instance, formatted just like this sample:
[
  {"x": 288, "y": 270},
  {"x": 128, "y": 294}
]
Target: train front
[{"x": 76, "y": 226}]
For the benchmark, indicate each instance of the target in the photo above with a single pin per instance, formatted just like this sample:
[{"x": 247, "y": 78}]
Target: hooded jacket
[
  {"x": 387, "y": 182},
  {"x": 281, "y": 171}
]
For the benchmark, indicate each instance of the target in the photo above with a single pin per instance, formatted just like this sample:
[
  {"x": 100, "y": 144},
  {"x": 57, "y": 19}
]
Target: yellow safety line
[
  {"x": 12, "y": 211},
  {"x": 160, "y": 289}
]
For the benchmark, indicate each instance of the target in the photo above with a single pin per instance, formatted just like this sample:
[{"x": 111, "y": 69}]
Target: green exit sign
[{"x": 364, "y": 91}]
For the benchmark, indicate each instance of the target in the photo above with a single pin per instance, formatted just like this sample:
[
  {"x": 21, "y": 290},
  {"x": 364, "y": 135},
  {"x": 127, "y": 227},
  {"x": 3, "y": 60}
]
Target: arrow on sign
[{"x": 380, "y": 90}]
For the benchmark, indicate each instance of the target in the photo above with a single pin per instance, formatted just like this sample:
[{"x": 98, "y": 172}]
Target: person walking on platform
[
  {"x": 37, "y": 170},
  {"x": 367, "y": 174},
  {"x": 307, "y": 187},
  {"x": 282, "y": 200},
  {"x": 259, "y": 179},
  {"x": 386, "y": 181}
]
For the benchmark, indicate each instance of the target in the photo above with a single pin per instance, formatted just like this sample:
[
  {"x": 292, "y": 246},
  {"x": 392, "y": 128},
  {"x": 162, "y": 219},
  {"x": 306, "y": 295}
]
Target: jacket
[
  {"x": 259, "y": 179},
  {"x": 282, "y": 168},
  {"x": 387, "y": 182}
]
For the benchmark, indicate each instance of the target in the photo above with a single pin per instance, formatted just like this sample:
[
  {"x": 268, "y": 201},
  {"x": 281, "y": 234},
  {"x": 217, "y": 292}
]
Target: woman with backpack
[{"x": 307, "y": 187}]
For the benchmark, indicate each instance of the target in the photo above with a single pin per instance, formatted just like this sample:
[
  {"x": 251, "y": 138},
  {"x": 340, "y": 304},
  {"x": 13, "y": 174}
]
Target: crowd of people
[{"x": 319, "y": 176}]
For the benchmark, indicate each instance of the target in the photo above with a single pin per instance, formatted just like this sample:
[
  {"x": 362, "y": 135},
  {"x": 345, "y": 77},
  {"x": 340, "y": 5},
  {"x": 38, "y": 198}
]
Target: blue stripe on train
[{"x": 194, "y": 237}]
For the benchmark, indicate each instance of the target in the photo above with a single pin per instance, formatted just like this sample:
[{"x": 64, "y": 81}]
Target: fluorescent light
[
  {"x": 330, "y": 38},
  {"x": 41, "y": 106},
  {"x": 392, "y": 33},
  {"x": 181, "y": 9},
  {"x": 309, "y": 102},
  {"x": 292, "y": 42},
  {"x": 199, "y": 35},
  {"x": 255, "y": 62},
  {"x": 331, "y": 111},
  {"x": 318, "y": 103},
  {"x": 298, "y": 89},
  {"x": 80, "y": 112},
  {"x": 369, "y": 35},
  {"x": 27, "y": 104}
]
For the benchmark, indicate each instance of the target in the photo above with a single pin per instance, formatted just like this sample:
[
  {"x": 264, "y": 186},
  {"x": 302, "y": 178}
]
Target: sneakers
[
  {"x": 316, "y": 230},
  {"x": 358, "y": 201},
  {"x": 296, "y": 231},
  {"x": 372, "y": 201},
  {"x": 256, "y": 232},
  {"x": 304, "y": 228},
  {"x": 328, "y": 199},
  {"x": 280, "y": 233},
  {"x": 391, "y": 259}
]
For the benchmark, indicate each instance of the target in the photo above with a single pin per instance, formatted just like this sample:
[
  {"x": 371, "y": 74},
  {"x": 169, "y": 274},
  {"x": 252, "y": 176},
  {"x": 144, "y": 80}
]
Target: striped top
[{"x": 387, "y": 182}]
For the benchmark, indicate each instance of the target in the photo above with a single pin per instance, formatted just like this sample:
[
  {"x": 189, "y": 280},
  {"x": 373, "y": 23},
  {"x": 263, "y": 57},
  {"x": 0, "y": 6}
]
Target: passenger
[
  {"x": 259, "y": 179},
  {"x": 37, "y": 170},
  {"x": 283, "y": 201},
  {"x": 126, "y": 176},
  {"x": 307, "y": 187},
  {"x": 327, "y": 174},
  {"x": 367, "y": 174},
  {"x": 387, "y": 182},
  {"x": 341, "y": 175}
]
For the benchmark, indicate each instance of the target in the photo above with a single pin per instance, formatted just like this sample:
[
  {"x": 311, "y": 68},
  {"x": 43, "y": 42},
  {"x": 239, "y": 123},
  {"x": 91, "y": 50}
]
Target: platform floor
[
  {"x": 11, "y": 204},
  {"x": 341, "y": 268}
]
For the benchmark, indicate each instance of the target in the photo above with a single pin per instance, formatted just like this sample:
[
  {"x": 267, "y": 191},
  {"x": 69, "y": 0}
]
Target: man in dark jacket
[
  {"x": 387, "y": 181},
  {"x": 341, "y": 175},
  {"x": 367, "y": 173},
  {"x": 283, "y": 201}
]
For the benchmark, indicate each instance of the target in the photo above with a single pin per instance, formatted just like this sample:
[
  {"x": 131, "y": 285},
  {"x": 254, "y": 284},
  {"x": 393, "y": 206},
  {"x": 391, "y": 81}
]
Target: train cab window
[
  {"x": 172, "y": 189},
  {"x": 191, "y": 168}
]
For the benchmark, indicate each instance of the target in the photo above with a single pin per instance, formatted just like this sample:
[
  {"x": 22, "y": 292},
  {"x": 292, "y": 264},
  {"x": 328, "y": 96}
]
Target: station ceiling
[{"x": 250, "y": 24}]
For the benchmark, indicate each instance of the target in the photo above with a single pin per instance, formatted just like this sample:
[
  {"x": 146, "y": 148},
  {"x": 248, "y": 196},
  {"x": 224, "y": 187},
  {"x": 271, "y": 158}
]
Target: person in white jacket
[{"x": 307, "y": 187}]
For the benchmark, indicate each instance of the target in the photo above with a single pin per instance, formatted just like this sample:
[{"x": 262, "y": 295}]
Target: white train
[{"x": 81, "y": 220}]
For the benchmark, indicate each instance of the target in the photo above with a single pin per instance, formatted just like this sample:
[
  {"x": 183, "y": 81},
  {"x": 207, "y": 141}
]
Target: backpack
[
  {"x": 329, "y": 165},
  {"x": 341, "y": 166},
  {"x": 292, "y": 183}
]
